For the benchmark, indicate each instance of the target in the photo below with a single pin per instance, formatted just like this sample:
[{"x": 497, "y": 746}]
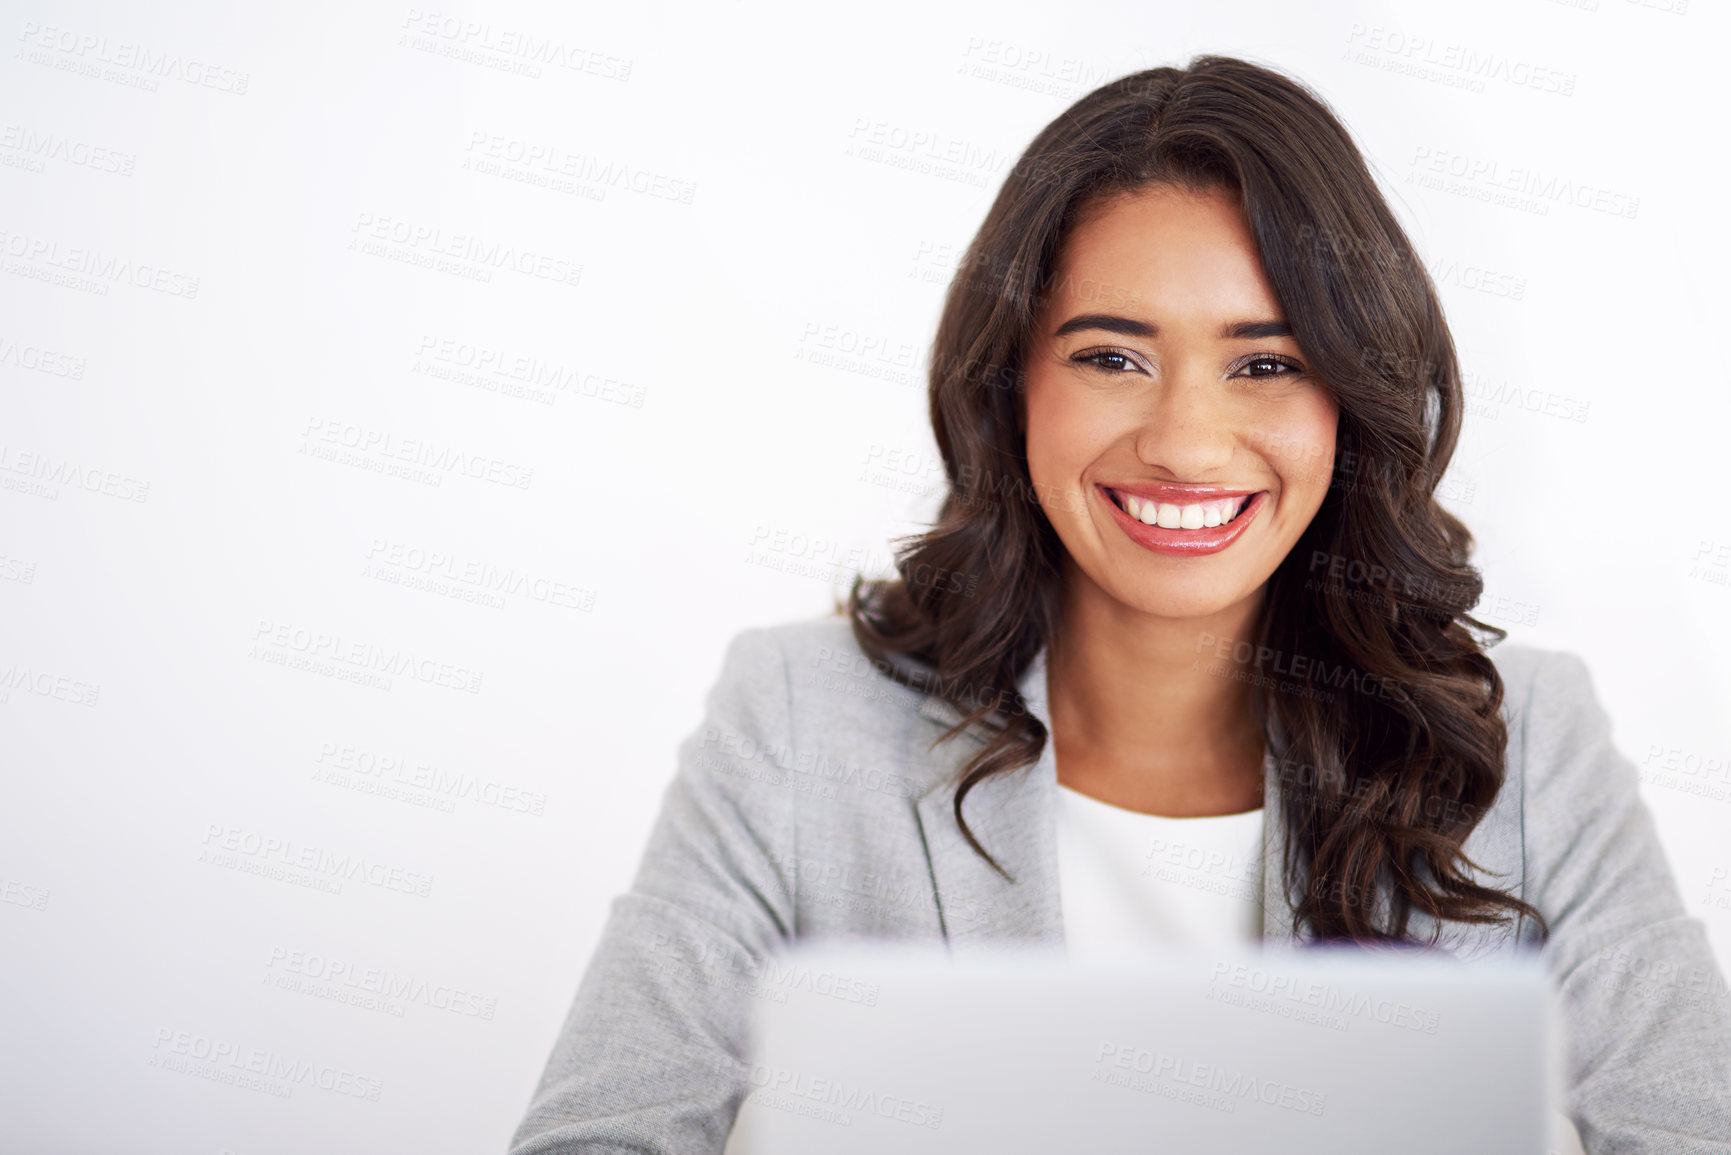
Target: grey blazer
[{"x": 811, "y": 801}]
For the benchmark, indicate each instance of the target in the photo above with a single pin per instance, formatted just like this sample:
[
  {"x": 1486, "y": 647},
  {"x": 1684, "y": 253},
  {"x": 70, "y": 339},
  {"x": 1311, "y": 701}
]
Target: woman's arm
[
  {"x": 1645, "y": 1013},
  {"x": 649, "y": 1058}
]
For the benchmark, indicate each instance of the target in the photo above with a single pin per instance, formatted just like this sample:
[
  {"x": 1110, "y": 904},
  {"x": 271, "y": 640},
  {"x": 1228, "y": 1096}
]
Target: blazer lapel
[
  {"x": 1278, "y": 905},
  {"x": 1014, "y": 816}
]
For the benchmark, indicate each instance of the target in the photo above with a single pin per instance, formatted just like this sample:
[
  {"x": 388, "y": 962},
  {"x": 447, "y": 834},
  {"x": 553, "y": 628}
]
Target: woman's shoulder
[
  {"x": 809, "y": 683},
  {"x": 1561, "y": 746},
  {"x": 1549, "y": 698},
  {"x": 1526, "y": 668},
  {"x": 816, "y": 659}
]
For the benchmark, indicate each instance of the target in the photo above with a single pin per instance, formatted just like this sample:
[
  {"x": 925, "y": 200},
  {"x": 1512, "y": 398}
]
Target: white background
[{"x": 739, "y": 364}]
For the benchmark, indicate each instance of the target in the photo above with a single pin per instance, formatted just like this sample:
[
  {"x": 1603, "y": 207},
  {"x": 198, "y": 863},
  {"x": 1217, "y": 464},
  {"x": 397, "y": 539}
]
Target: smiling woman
[
  {"x": 1271, "y": 336},
  {"x": 1159, "y": 448},
  {"x": 1194, "y": 395}
]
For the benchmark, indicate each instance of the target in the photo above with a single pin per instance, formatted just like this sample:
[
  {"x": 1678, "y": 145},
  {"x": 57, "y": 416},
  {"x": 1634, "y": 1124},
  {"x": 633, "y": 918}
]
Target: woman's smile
[{"x": 1184, "y": 520}]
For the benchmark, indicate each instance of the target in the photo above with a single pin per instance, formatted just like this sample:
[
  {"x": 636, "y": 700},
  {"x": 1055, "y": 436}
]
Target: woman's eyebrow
[
  {"x": 1130, "y": 327},
  {"x": 1251, "y": 330},
  {"x": 1127, "y": 326}
]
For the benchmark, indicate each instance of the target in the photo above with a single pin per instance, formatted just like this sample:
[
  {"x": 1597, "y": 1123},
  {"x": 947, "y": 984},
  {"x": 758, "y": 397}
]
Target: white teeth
[{"x": 1206, "y": 514}]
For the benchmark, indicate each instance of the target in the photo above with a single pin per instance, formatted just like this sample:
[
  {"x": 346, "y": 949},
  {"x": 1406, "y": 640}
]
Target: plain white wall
[{"x": 261, "y": 259}]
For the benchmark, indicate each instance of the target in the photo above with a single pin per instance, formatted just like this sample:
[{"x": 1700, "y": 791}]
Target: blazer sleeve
[
  {"x": 650, "y": 1057},
  {"x": 1645, "y": 1015}
]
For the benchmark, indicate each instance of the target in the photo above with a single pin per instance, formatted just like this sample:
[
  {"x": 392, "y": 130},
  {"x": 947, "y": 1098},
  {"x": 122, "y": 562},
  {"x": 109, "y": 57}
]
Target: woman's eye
[
  {"x": 1107, "y": 359},
  {"x": 1270, "y": 366}
]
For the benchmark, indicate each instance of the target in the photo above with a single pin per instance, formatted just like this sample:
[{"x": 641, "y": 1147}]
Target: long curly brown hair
[{"x": 1379, "y": 787}]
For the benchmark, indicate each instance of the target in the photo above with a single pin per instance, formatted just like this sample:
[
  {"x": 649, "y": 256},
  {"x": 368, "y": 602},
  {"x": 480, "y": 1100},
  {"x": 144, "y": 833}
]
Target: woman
[{"x": 1194, "y": 394}]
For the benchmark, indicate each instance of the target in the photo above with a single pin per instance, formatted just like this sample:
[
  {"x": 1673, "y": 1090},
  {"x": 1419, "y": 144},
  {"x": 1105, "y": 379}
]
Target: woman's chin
[{"x": 1176, "y": 600}]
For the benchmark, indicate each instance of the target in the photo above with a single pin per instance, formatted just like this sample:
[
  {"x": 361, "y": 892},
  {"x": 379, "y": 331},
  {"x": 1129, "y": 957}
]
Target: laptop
[{"x": 875, "y": 1047}]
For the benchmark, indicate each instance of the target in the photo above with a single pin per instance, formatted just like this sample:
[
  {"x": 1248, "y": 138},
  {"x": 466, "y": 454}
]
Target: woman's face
[{"x": 1163, "y": 387}]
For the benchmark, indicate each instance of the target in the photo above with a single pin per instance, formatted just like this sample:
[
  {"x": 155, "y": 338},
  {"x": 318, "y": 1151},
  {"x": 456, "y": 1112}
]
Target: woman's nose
[{"x": 1186, "y": 428}]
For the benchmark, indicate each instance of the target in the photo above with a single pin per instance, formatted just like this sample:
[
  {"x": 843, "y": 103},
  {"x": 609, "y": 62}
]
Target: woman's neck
[{"x": 1144, "y": 716}]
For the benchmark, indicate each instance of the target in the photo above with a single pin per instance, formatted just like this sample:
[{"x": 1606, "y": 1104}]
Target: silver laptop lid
[{"x": 871, "y": 1047}]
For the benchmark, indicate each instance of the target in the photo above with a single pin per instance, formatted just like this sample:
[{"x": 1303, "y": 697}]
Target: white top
[{"x": 1130, "y": 880}]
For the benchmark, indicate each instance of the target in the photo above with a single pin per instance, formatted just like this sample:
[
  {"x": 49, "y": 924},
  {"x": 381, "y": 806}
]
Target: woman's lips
[{"x": 1184, "y": 542}]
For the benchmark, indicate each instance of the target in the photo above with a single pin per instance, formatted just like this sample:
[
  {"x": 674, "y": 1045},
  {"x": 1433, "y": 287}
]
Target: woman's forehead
[{"x": 1174, "y": 253}]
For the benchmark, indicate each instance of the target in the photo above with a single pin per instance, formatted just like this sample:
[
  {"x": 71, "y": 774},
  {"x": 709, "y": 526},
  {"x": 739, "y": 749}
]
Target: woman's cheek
[
  {"x": 1299, "y": 443},
  {"x": 1057, "y": 440},
  {"x": 1076, "y": 427}
]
